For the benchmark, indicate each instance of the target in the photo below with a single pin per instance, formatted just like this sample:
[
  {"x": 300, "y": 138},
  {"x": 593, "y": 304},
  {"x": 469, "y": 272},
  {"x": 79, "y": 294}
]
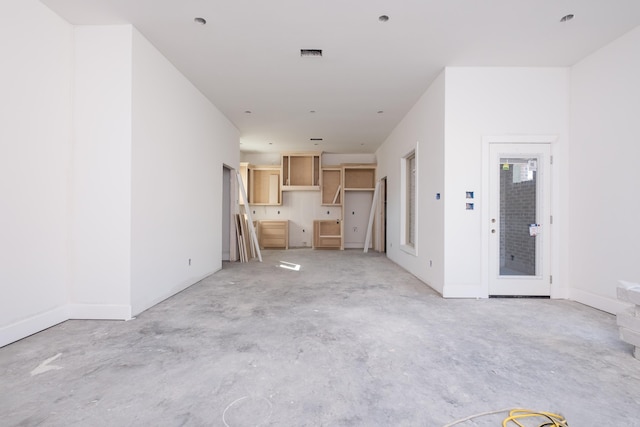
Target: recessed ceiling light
[
  {"x": 383, "y": 18},
  {"x": 199, "y": 20},
  {"x": 566, "y": 18}
]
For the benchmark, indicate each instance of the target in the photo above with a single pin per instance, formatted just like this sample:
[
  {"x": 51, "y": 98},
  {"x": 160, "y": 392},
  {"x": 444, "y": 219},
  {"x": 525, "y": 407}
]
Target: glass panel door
[{"x": 519, "y": 239}]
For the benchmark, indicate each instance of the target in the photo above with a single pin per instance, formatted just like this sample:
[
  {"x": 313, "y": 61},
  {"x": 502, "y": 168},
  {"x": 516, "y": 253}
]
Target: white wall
[
  {"x": 422, "y": 127},
  {"x": 488, "y": 102},
  {"x": 605, "y": 148},
  {"x": 102, "y": 173},
  {"x": 35, "y": 158},
  {"x": 180, "y": 142},
  {"x": 334, "y": 159},
  {"x": 99, "y": 197}
]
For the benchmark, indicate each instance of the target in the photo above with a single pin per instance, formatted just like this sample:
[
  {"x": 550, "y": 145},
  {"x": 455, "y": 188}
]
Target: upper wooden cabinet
[
  {"x": 331, "y": 186},
  {"x": 301, "y": 171},
  {"x": 359, "y": 177},
  {"x": 264, "y": 185}
]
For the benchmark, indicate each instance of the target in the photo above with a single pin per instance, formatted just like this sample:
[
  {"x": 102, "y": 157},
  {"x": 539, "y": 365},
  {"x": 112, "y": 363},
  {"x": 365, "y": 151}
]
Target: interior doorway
[
  {"x": 382, "y": 217},
  {"x": 519, "y": 219},
  {"x": 229, "y": 203}
]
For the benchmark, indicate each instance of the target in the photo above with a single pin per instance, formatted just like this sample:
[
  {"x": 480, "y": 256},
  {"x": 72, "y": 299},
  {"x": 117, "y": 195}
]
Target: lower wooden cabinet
[
  {"x": 273, "y": 234},
  {"x": 327, "y": 234}
]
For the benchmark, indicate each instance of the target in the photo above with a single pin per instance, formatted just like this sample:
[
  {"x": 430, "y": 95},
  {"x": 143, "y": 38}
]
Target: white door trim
[{"x": 486, "y": 144}]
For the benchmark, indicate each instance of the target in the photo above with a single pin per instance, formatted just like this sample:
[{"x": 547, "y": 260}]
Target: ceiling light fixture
[
  {"x": 383, "y": 18},
  {"x": 199, "y": 20},
  {"x": 566, "y": 18}
]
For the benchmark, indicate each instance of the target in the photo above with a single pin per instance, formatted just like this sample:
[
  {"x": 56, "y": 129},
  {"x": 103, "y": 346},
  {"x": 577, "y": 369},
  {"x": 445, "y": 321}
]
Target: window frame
[{"x": 409, "y": 202}]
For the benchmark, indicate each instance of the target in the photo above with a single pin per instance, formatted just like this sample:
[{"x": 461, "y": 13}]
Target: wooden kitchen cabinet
[
  {"x": 327, "y": 234},
  {"x": 359, "y": 177},
  {"x": 301, "y": 171},
  {"x": 273, "y": 234},
  {"x": 332, "y": 186},
  {"x": 264, "y": 185}
]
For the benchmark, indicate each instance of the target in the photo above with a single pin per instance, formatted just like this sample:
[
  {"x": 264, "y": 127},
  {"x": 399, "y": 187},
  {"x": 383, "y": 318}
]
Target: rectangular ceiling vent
[
  {"x": 310, "y": 52},
  {"x": 315, "y": 139}
]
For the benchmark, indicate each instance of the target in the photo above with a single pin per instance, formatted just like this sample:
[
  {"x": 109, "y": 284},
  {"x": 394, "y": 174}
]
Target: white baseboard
[
  {"x": 356, "y": 245},
  {"x": 610, "y": 305},
  {"x": 463, "y": 291},
  {"x": 99, "y": 311},
  {"x": 23, "y": 328}
]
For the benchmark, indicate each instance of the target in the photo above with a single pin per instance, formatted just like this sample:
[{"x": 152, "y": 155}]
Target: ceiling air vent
[{"x": 310, "y": 52}]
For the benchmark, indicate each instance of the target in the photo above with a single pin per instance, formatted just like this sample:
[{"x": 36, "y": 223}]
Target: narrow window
[{"x": 409, "y": 202}]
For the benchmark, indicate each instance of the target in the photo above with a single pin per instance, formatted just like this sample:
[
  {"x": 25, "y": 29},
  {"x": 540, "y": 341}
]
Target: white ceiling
[{"x": 247, "y": 56}]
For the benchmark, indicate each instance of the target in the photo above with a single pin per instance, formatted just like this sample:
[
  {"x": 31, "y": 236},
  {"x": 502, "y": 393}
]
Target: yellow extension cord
[{"x": 550, "y": 419}]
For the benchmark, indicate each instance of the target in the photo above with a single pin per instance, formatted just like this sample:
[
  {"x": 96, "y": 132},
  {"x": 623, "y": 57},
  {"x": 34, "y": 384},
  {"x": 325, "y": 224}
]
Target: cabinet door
[{"x": 274, "y": 234}]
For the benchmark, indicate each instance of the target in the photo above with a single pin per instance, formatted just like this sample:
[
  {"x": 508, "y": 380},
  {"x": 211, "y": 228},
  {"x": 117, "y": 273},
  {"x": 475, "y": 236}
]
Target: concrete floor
[{"x": 349, "y": 340}]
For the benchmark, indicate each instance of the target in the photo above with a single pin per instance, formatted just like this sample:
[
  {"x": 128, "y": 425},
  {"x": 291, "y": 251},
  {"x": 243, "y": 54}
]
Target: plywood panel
[
  {"x": 359, "y": 178},
  {"x": 274, "y": 189},
  {"x": 330, "y": 183},
  {"x": 301, "y": 170}
]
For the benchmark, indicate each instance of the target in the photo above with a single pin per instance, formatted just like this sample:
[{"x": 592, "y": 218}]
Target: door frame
[
  {"x": 229, "y": 232},
  {"x": 487, "y": 141}
]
